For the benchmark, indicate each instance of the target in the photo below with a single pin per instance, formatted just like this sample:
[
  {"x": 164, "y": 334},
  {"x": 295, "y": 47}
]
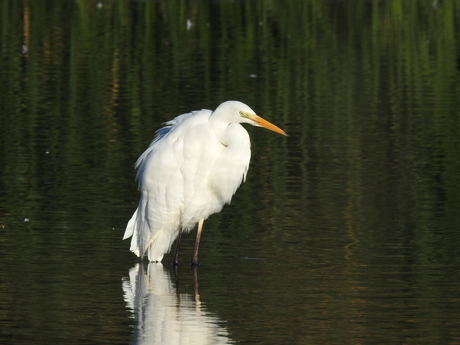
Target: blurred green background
[{"x": 355, "y": 215}]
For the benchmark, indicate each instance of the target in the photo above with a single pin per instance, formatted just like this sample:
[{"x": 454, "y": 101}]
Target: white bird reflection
[{"x": 164, "y": 316}]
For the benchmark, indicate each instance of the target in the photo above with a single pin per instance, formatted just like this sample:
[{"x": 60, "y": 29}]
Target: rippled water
[{"x": 346, "y": 232}]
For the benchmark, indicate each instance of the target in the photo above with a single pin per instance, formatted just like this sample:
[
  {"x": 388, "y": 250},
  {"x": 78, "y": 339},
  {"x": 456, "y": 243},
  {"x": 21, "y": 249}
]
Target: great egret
[{"x": 190, "y": 170}]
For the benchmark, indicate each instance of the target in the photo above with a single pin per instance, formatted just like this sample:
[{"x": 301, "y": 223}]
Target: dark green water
[{"x": 346, "y": 232}]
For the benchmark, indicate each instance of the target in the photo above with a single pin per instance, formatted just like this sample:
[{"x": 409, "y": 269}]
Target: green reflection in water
[{"x": 359, "y": 206}]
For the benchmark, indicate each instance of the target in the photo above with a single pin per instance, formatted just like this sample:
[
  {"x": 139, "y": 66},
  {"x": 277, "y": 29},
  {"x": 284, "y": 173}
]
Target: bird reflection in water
[{"x": 163, "y": 315}]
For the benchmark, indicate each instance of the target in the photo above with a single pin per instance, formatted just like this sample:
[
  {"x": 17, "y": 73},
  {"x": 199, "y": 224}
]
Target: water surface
[{"x": 346, "y": 232}]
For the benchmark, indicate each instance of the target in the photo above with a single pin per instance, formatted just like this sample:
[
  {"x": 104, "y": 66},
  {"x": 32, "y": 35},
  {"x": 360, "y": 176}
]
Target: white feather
[{"x": 190, "y": 170}]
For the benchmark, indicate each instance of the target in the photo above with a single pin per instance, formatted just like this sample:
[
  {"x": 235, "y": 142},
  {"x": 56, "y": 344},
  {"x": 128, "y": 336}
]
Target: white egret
[{"x": 190, "y": 170}]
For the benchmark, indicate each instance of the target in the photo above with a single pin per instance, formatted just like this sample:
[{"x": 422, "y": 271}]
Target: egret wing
[{"x": 165, "y": 173}]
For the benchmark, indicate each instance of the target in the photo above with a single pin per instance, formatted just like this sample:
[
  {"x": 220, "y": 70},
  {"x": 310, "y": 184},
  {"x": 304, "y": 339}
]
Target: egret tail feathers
[
  {"x": 148, "y": 241},
  {"x": 130, "y": 227},
  {"x": 160, "y": 245}
]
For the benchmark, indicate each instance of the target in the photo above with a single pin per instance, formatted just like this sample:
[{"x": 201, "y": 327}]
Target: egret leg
[
  {"x": 197, "y": 243},
  {"x": 176, "y": 253}
]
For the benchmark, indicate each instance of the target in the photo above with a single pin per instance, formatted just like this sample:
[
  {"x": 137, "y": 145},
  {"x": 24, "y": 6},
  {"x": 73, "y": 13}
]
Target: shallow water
[{"x": 345, "y": 232}]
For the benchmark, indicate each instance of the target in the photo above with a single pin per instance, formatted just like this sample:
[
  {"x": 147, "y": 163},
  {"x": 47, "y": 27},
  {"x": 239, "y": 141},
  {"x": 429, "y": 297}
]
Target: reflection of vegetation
[{"x": 368, "y": 91}]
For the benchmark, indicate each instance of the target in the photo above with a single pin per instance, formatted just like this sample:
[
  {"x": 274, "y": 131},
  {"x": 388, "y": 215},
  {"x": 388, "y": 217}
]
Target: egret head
[{"x": 242, "y": 113}]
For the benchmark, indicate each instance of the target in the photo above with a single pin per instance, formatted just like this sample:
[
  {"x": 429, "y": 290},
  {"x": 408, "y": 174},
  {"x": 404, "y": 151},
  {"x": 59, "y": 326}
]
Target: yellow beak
[{"x": 263, "y": 123}]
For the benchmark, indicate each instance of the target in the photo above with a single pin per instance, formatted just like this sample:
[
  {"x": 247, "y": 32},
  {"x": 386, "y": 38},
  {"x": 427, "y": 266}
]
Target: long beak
[{"x": 264, "y": 123}]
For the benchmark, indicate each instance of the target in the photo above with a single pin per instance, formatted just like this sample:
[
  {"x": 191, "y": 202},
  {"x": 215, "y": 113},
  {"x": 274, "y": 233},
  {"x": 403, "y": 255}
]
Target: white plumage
[{"x": 190, "y": 170}]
